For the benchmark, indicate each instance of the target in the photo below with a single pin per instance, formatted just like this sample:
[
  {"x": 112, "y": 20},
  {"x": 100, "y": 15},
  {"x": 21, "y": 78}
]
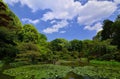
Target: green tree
[
  {"x": 76, "y": 45},
  {"x": 30, "y": 34},
  {"x": 58, "y": 44},
  {"x": 7, "y": 44},
  {"x": 107, "y": 30},
  {"x": 118, "y": 18},
  {"x": 28, "y": 52},
  {"x": 98, "y": 37},
  {"x": 116, "y": 34}
]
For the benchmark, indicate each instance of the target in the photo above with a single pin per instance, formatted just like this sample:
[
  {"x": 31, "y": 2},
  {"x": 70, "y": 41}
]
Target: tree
[
  {"x": 58, "y": 44},
  {"x": 30, "y": 34},
  {"x": 118, "y": 18},
  {"x": 116, "y": 34},
  {"x": 28, "y": 52},
  {"x": 7, "y": 44},
  {"x": 76, "y": 45},
  {"x": 98, "y": 37},
  {"x": 8, "y": 19},
  {"x": 107, "y": 30}
]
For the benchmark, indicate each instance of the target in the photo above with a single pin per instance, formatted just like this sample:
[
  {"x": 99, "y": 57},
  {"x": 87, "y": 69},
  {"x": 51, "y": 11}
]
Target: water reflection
[{"x": 72, "y": 75}]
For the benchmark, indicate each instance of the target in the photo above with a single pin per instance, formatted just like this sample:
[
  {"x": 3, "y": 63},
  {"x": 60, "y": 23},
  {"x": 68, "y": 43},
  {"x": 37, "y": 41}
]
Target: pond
[
  {"x": 69, "y": 75},
  {"x": 72, "y": 75}
]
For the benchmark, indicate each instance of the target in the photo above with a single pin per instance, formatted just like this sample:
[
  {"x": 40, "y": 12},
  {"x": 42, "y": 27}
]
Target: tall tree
[
  {"x": 107, "y": 30},
  {"x": 76, "y": 45},
  {"x": 118, "y": 18},
  {"x": 58, "y": 44},
  {"x": 116, "y": 34}
]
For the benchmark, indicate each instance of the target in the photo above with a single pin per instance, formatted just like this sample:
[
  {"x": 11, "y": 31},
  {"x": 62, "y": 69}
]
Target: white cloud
[
  {"x": 11, "y": 2},
  {"x": 62, "y": 31},
  {"x": 27, "y": 20},
  {"x": 92, "y": 11},
  {"x": 117, "y": 1},
  {"x": 56, "y": 27},
  {"x": 97, "y": 27},
  {"x": 48, "y": 16},
  {"x": 53, "y": 21},
  {"x": 95, "y": 10}
]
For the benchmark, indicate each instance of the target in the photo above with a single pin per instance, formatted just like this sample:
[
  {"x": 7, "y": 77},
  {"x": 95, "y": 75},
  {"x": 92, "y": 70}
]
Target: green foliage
[
  {"x": 9, "y": 26},
  {"x": 27, "y": 44},
  {"x": 28, "y": 52},
  {"x": 118, "y": 18},
  {"x": 58, "y": 44},
  {"x": 50, "y": 71},
  {"x": 116, "y": 34},
  {"x": 97, "y": 49},
  {"x": 98, "y": 37},
  {"x": 29, "y": 34},
  {"x": 75, "y": 45},
  {"x": 8, "y": 18},
  {"x": 107, "y": 30},
  {"x": 8, "y": 48},
  {"x": 111, "y": 32}
]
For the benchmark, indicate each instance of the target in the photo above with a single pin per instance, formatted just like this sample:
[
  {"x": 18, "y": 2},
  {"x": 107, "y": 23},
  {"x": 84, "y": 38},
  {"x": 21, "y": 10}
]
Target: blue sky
[{"x": 69, "y": 19}]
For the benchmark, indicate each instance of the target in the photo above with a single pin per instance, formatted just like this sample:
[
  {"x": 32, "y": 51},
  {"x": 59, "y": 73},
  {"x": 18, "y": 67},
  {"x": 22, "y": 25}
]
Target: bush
[{"x": 107, "y": 57}]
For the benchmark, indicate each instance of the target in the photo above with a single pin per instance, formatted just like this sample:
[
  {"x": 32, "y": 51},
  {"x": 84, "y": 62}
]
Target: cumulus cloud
[
  {"x": 97, "y": 27},
  {"x": 87, "y": 14},
  {"x": 117, "y": 1},
  {"x": 53, "y": 21},
  {"x": 11, "y": 2},
  {"x": 95, "y": 10},
  {"x": 56, "y": 27},
  {"x": 27, "y": 20}
]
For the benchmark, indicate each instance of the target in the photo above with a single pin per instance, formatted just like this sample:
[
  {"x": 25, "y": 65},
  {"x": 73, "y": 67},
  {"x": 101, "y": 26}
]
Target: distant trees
[
  {"x": 75, "y": 45},
  {"x": 24, "y": 43},
  {"x": 58, "y": 44},
  {"x": 111, "y": 31}
]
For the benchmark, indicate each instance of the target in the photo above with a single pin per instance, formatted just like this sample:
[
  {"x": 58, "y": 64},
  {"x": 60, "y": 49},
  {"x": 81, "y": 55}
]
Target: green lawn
[{"x": 49, "y": 70}]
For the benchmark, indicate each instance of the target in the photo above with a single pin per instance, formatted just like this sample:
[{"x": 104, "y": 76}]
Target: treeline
[{"x": 24, "y": 43}]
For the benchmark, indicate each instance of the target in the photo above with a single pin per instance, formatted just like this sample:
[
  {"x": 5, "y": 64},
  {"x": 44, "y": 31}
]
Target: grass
[
  {"x": 105, "y": 63},
  {"x": 48, "y": 70}
]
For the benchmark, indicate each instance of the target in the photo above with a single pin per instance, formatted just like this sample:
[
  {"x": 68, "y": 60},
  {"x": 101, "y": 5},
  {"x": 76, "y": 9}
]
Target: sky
[{"x": 69, "y": 19}]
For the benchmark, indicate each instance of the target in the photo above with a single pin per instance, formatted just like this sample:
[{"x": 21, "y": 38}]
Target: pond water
[
  {"x": 72, "y": 75},
  {"x": 69, "y": 75}
]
